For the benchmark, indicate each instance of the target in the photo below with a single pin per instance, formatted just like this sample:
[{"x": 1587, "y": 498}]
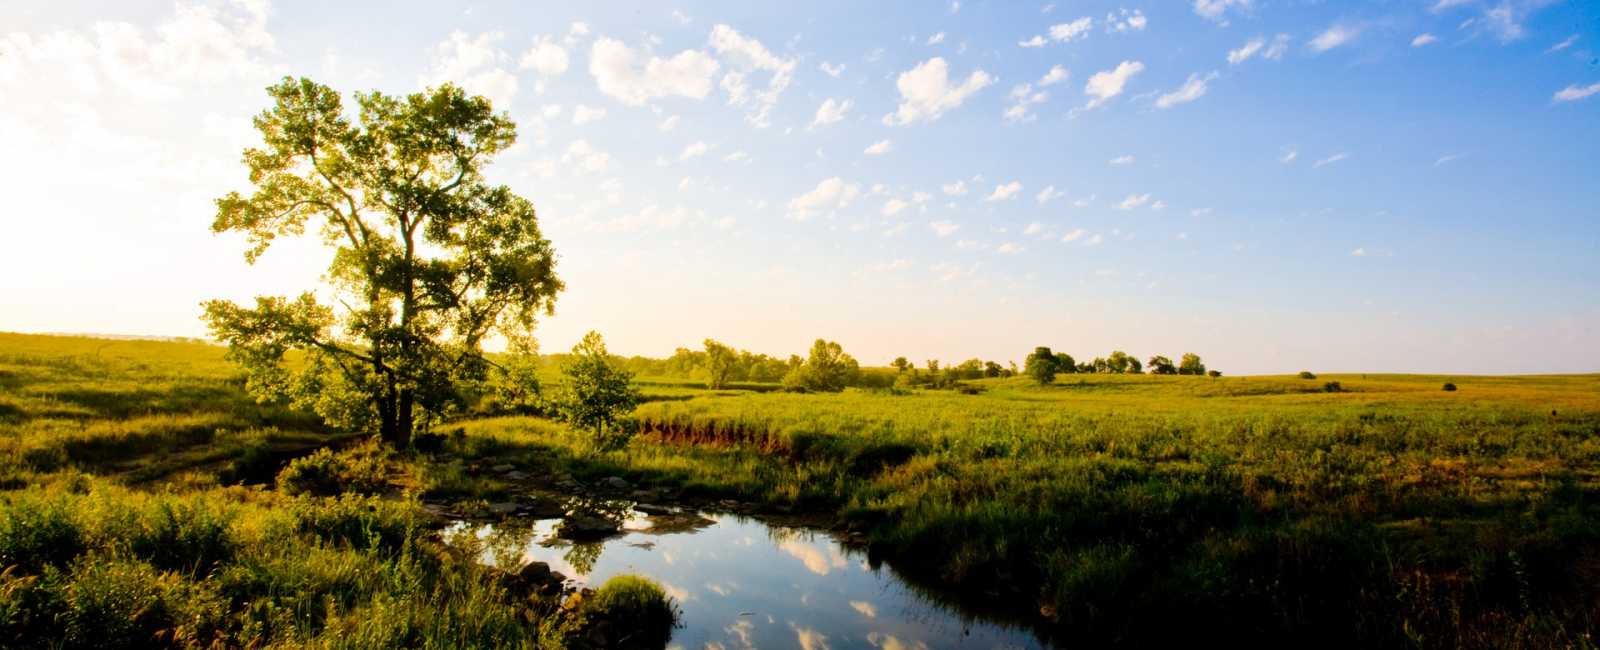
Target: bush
[
  {"x": 1307, "y": 374},
  {"x": 189, "y": 537},
  {"x": 638, "y": 604},
  {"x": 1332, "y": 387},
  {"x": 358, "y": 521},
  {"x": 1214, "y": 373},
  {"x": 34, "y": 535},
  {"x": 1449, "y": 387},
  {"x": 362, "y": 470}
]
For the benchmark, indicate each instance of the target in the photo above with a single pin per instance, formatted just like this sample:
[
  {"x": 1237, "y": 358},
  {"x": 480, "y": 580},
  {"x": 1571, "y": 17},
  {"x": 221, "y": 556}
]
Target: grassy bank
[
  {"x": 139, "y": 507},
  {"x": 1106, "y": 508}
]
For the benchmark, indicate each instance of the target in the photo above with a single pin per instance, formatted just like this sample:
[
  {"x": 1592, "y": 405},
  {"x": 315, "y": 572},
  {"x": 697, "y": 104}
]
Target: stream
[{"x": 741, "y": 583}]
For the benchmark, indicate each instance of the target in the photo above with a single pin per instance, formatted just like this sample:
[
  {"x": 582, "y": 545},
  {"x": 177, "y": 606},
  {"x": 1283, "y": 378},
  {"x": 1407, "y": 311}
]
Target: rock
[
  {"x": 502, "y": 468},
  {"x": 729, "y": 503},
  {"x": 651, "y": 509},
  {"x": 582, "y": 527},
  {"x": 516, "y": 475},
  {"x": 503, "y": 508},
  {"x": 535, "y": 573},
  {"x": 544, "y": 509},
  {"x": 616, "y": 483}
]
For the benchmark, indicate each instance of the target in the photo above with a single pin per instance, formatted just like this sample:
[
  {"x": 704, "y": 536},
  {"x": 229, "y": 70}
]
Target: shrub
[
  {"x": 1332, "y": 387},
  {"x": 1449, "y": 387},
  {"x": 1214, "y": 373},
  {"x": 1307, "y": 374},
  {"x": 34, "y": 535},
  {"x": 358, "y": 521},
  {"x": 362, "y": 470},
  {"x": 636, "y": 603},
  {"x": 178, "y": 536}
]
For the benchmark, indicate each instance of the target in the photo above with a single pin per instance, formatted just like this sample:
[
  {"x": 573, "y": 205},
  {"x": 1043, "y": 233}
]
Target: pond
[{"x": 741, "y": 583}]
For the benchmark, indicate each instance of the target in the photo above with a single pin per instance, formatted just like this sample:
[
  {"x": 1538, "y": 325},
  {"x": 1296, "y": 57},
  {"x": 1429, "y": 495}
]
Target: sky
[{"x": 1386, "y": 186}]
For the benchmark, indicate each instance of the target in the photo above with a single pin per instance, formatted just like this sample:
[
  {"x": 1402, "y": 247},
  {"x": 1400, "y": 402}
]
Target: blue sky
[{"x": 1378, "y": 186}]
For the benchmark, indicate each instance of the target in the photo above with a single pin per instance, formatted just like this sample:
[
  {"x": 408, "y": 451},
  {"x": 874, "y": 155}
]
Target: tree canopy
[{"x": 428, "y": 259}]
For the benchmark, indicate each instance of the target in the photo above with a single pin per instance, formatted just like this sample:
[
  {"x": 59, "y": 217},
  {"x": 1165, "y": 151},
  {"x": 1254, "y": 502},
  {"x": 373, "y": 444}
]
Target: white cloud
[
  {"x": 1158, "y": 205},
  {"x": 1423, "y": 39},
  {"x": 1005, "y": 192},
  {"x": 737, "y": 156},
  {"x": 694, "y": 150},
  {"x": 1574, "y": 92},
  {"x": 1133, "y": 201},
  {"x": 1217, "y": 9},
  {"x": 1034, "y": 228},
  {"x": 618, "y": 72},
  {"x": 1563, "y": 44},
  {"x": 1122, "y": 160},
  {"x": 668, "y": 124},
  {"x": 545, "y": 57},
  {"x": 1048, "y": 194},
  {"x": 682, "y": 18},
  {"x": 1192, "y": 89},
  {"x": 1126, "y": 21},
  {"x": 926, "y": 92},
  {"x": 831, "y": 70},
  {"x": 1199, "y": 212},
  {"x": 893, "y": 207},
  {"x": 1330, "y": 160},
  {"x": 957, "y": 188},
  {"x": 586, "y": 159},
  {"x": 831, "y": 111},
  {"x": 879, "y": 148},
  {"x": 1105, "y": 85},
  {"x": 921, "y": 197},
  {"x": 749, "y": 54},
  {"x": 1057, "y": 74},
  {"x": 1036, "y": 41},
  {"x": 585, "y": 114},
  {"x": 1068, "y": 32},
  {"x": 1249, "y": 49},
  {"x": 474, "y": 64},
  {"x": 955, "y": 6},
  {"x": 1022, "y": 97},
  {"x": 1289, "y": 155},
  {"x": 1280, "y": 44},
  {"x": 830, "y": 195},
  {"x": 1334, "y": 36},
  {"x": 880, "y": 267},
  {"x": 1074, "y": 235},
  {"x": 944, "y": 228},
  {"x": 936, "y": 39},
  {"x": 1009, "y": 248},
  {"x": 1503, "y": 19},
  {"x": 1452, "y": 157}
]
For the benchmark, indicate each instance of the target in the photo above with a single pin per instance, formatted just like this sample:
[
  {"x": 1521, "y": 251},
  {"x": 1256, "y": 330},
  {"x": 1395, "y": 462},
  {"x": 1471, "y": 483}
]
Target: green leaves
[
  {"x": 428, "y": 262},
  {"x": 596, "y": 393}
]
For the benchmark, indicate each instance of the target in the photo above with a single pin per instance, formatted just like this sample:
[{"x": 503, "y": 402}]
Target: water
[{"x": 740, "y": 583}]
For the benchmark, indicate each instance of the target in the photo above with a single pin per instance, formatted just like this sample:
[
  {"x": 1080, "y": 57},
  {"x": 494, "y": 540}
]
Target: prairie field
[{"x": 144, "y": 491}]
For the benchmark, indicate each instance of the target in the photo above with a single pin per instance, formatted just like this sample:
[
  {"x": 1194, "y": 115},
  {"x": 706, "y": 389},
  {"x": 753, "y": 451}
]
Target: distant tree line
[{"x": 1043, "y": 365}]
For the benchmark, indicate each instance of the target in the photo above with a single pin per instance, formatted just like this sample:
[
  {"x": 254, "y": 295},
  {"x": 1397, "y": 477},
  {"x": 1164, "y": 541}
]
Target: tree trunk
[{"x": 404, "y": 425}]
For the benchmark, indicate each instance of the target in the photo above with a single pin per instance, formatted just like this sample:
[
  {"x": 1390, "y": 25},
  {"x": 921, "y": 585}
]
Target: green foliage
[
  {"x": 1041, "y": 366},
  {"x": 1190, "y": 364},
  {"x": 1307, "y": 374},
  {"x": 360, "y": 470},
  {"x": 1449, "y": 387},
  {"x": 1332, "y": 387},
  {"x": 826, "y": 370},
  {"x": 720, "y": 363},
  {"x": 1160, "y": 365},
  {"x": 641, "y": 604},
  {"x": 597, "y": 393},
  {"x": 429, "y": 259}
]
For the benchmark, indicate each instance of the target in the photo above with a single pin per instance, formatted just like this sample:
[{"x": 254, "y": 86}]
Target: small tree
[
  {"x": 596, "y": 393},
  {"x": 1065, "y": 364},
  {"x": 828, "y": 369},
  {"x": 1121, "y": 362},
  {"x": 720, "y": 363},
  {"x": 992, "y": 369},
  {"x": 900, "y": 364},
  {"x": 1307, "y": 374},
  {"x": 1041, "y": 365},
  {"x": 1191, "y": 365},
  {"x": 1160, "y": 365},
  {"x": 1213, "y": 373}
]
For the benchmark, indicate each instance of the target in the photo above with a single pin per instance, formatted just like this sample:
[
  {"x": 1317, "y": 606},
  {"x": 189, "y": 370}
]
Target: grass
[{"x": 1131, "y": 509}]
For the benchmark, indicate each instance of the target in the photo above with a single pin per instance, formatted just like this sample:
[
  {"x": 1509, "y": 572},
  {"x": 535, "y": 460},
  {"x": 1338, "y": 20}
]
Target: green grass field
[{"x": 1106, "y": 508}]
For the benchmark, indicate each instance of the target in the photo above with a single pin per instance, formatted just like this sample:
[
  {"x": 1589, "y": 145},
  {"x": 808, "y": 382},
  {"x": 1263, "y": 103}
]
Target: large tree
[
  {"x": 428, "y": 259},
  {"x": 1041, "y": 365},
  {"x": 720, "y": 362}
]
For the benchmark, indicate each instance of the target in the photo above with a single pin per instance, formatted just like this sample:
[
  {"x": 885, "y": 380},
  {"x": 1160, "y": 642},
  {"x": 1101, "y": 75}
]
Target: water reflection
[{"x": 743, "y": 584}]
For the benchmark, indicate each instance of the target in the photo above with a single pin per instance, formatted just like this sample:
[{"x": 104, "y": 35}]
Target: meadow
[{"x": 1130, "y": 509}]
